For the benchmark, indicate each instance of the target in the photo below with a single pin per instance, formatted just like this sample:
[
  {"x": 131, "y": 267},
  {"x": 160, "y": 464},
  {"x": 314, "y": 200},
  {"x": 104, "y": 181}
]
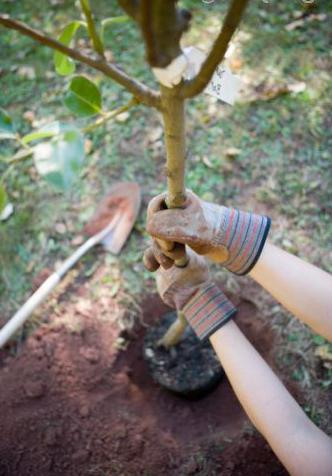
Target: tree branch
[
  {"x": 95, "y": 39},
  {"x": 144, "y": 94},
  {"x": 147, "y": 33},
  {"x": 200, "y": 81},
  {"x": 162, "y": 24},
  {"x": 131, "y": 7},
  {"x": 110, "y": 115}
]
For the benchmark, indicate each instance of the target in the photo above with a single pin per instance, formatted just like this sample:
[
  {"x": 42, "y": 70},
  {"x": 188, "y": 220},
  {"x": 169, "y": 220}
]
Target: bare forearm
[
  {"x": 302, "y": 448},
  {"x": 300, "y": 287}
]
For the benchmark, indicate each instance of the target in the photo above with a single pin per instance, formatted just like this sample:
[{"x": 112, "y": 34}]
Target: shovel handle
[{"x": 19, "y": 318}]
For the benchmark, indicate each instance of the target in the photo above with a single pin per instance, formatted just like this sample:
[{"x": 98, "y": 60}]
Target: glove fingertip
[
  {"x": 149, "y": 261},
  {"x": 167, "y": 263},
  {"x": 157, "y": 203}
]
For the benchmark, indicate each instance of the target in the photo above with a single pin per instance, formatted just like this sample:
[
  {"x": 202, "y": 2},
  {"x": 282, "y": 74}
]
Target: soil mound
[{"x": 73, "y": 404}]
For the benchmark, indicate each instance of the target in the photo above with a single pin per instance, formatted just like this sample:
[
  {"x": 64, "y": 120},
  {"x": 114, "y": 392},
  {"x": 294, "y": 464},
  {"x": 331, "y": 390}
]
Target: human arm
[
  {"x": 302, "y": 288},
  {"x": 301, "y": 447}
]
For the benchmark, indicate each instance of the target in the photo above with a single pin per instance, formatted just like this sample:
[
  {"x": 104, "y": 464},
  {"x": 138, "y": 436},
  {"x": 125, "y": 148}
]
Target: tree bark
[
  {"x": 162, "y": 23},
  {"x": 173, "y": 111}
]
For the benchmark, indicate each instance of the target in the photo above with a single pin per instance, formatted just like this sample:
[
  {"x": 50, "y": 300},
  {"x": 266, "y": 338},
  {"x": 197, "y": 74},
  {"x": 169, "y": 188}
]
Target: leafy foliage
[
  {"x": 41, "y": 134},
  {"x": 60, "y": 160},
  {"x": 64, "y": 65},
  {"x": 83, "y": 97}
]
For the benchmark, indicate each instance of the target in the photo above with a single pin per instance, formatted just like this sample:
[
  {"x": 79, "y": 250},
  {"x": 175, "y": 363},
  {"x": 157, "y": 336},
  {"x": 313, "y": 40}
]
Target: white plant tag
[{"x": 224, "y": 85}]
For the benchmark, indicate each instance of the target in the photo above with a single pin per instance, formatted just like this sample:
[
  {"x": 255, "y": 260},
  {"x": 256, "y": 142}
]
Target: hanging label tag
[{"x": 224, "y": 85}]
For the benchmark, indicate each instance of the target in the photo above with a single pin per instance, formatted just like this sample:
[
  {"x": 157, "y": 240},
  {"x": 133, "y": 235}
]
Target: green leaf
[
  {"x": 83, "y": 97},
  {"x": 3, "y": 198},
  {"x": 6, "y": 125},
  {"x": 40, "y": 134},
  {"x": 47, "y": 131},
  {"x": 60, "y": 160},
  {"x": 64, "y": 65},
  {"x": 112, "y": 21},
  {"x": 318, "y": 340}
]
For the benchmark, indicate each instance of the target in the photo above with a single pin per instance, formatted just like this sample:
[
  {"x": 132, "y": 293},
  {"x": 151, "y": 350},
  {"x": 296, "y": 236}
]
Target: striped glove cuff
[
  {"x": 208, "y": 310},
  {"x": 244, "y": 235}
]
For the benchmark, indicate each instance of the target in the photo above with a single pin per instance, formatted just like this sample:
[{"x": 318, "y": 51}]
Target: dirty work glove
[
  {"x": 190, "y": 290},
  {"x": 225, "y": 235}
]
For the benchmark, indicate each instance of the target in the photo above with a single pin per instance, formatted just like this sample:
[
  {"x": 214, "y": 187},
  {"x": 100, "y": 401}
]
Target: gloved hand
[
  {"x": 225, "y": 235},
  {"x": 190, "y": 290}
]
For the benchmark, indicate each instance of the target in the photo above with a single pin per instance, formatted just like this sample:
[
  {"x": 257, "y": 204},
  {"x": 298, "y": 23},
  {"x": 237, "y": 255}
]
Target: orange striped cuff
[{"x": 208, "y": 310}]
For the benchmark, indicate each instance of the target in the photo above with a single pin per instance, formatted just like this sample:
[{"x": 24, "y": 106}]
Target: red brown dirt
[
  {"x": 72, "y": 404},
  {"x": 105, "y": 213},
  {"x": 124, "y": 198}
]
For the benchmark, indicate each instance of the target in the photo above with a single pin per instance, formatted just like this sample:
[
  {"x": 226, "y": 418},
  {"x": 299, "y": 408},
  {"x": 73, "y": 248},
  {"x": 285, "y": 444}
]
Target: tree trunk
[
  {"x": 173, "y": 111},
  {"x": 174, "y": 127}
]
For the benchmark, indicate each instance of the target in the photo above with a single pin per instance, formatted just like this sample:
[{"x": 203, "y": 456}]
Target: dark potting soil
[
  {"x": 73, "y": 404},
  {"x": 190, "y": 369}
]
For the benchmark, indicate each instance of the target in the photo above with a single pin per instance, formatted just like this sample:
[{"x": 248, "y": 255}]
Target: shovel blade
[{"x": 123, "y": 201}]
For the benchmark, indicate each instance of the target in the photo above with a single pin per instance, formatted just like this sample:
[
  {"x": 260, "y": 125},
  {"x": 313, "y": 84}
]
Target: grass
[{"x": 283, "y": 167}]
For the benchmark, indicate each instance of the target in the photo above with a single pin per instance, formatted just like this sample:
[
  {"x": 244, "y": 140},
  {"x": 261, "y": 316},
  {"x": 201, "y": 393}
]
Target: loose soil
[
  {"x": 190, "y": 369},
  {"x": 124, "y": 198},
  {"x": 72, "y": 403}
]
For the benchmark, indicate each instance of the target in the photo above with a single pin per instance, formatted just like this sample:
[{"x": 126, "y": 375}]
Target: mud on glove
[
  {"x": 225, "y": 235},
  {"x": 190, "y": 290}
]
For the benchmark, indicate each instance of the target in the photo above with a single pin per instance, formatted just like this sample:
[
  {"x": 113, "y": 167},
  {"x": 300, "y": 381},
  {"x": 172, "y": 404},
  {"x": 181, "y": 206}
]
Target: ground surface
[
  {"x": 72, "y": 398},
  {"x": 83, "y": 406}
]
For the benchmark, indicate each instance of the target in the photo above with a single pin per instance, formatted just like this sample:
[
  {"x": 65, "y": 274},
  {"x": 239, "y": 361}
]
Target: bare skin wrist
[
  {"x": 253, "y": 272},
  {"x": 223, "y": 333}
]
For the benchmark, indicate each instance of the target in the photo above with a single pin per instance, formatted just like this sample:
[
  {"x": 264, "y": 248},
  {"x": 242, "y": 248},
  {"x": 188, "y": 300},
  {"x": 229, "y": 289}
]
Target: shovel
[{"x": 110, "y": 226}]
